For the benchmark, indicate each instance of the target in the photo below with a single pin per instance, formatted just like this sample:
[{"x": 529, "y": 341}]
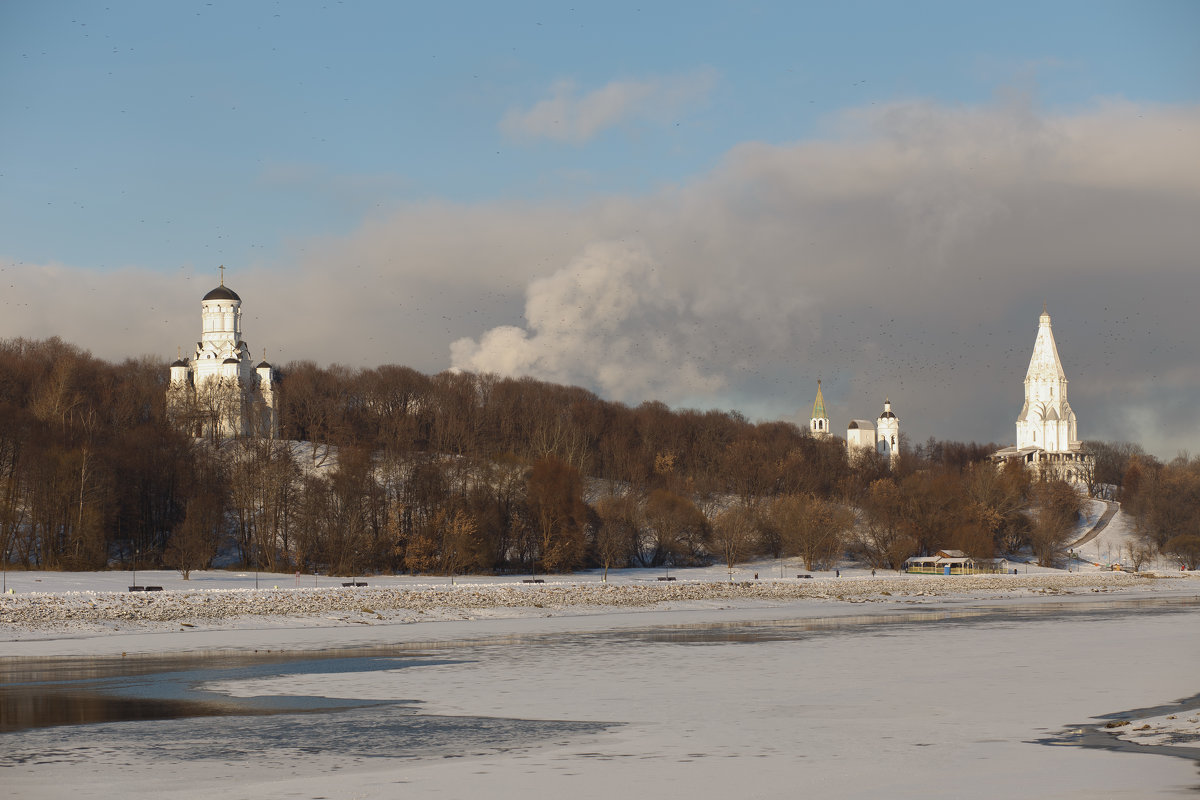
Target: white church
[
  {"x": 883, "y": 435},
  {"x": 1047, "y": 438},
  {"x": 1046, "y": 428},
  {"x": 219, "y": 392}
]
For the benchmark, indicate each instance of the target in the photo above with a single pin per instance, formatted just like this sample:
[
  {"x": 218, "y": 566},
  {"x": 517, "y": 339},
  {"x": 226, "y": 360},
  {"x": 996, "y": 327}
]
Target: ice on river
[{"x": 848, "y": 706}]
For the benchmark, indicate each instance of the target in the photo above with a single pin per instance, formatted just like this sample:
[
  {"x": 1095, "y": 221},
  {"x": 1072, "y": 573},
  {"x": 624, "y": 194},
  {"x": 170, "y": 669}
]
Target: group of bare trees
[
  {"x": 396, "y": 409},
  {"x": 88, "y": 466},
  {"x": 979, "y": 509},
  {"x": 1164, "y": 500},
  {"x": 389, "y": 469}
]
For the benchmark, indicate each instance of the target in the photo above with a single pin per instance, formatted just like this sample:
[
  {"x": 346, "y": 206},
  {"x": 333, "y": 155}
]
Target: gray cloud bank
[{"x": 906, "y": 252}]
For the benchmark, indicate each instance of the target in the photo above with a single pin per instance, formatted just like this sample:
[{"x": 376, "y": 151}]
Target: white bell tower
[
  {"x": 221, "y": 353},
  {"x": 887, "y": 432}
]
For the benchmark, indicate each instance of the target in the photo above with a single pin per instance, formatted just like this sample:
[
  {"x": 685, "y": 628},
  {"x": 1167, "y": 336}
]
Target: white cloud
[
  {"x": 568, "y": 116},
  {"x": 604, "y": 319}
]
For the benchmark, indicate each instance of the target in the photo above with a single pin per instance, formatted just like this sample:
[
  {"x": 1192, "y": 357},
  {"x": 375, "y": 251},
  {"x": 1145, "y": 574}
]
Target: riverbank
[{"x": 49, "y": 613}]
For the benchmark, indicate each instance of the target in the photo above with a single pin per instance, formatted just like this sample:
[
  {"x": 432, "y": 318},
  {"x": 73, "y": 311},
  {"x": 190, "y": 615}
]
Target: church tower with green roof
[{"x": 819, "y": 424}]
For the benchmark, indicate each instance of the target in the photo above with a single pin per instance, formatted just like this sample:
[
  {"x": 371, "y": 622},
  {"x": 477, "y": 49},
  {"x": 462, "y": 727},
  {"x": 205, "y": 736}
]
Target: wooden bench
[
  {"x": 666, "y": 579},
  {"x": 533, "y": 580},
  {"x": 804, "y": 576},
  {"x": 355, "y": 583}
]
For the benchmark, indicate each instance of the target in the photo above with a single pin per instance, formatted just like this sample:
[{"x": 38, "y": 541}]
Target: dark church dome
[{"x": 222, "y": 292}]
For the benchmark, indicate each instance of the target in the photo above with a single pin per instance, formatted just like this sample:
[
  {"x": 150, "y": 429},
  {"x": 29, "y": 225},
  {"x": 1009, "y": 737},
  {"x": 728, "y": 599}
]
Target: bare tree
[
  {"x": 812, "y": 528},
  {"x": 1138, "y": 554},
  {"x": 1056, "y": 506},
  {"x": 1186, "y": 548},
  {"x": 194, "y": 541},
  {"x": 554, "y": 494},
  {"x": 676, "y": 531},
  {"x": 993, "y": 516},
  {"x": 617, "y": 532},
  {"x": 217, "y": 407},
  {"x": 460, "y": 542},
  {"x": 263, "y": 479},
  {"x": 733, "y": 534},
  {"x": 883, "y": 537}
]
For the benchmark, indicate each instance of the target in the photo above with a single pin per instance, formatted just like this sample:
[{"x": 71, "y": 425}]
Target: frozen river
[{"x": 945, "y": 702}]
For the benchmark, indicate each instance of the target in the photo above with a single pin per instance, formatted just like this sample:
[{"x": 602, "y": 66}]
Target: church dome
[
  {"x": 263, "y": 365},
  {"x": 230, "y": 361},
  {"x": 222, "y": 292},
  {"x": 179, "y": 363}
]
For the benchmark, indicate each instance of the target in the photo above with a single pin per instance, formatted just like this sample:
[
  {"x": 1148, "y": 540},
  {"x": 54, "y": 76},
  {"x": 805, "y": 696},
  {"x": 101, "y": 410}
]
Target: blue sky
[
  {"x": 144, "y": 141},
  {"x": 157, "y": 133}
]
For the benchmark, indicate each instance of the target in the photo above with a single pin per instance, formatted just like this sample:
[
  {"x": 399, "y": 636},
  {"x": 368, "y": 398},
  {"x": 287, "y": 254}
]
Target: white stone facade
[
  {"x": 1046, "y": 420},
  {"x": 887, "y": 432},
  {"x": 882, "y": 435},
  {"x": 1047, "y": 433},
  {"x": 219, "y": 392},
  {"x": 860, "y": 435}
]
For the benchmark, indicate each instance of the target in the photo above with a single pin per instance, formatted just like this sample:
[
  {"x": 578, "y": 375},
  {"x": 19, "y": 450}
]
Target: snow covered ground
[
  {"x": 1115, "y": 543},
  {"x": 1181, "y": 728},
  {"x": 54, "y": 611},
  {"x": 852, "y": 686}
]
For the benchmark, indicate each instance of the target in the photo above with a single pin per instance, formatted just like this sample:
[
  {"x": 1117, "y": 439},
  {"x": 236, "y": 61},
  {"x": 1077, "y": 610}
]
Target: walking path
[{"x": 1100, "y": 525}]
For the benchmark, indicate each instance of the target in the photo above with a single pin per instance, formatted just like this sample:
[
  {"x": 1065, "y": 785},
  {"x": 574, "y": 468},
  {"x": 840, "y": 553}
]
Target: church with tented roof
[{"x": 1047, "y": 437}]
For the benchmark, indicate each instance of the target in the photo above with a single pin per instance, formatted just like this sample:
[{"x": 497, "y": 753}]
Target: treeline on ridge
[{"x": 388, "y": 469}]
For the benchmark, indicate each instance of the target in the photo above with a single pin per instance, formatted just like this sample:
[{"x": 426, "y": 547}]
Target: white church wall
[
  {"x": 219, "y": 390},
  {"x": 860, "y": 435}
]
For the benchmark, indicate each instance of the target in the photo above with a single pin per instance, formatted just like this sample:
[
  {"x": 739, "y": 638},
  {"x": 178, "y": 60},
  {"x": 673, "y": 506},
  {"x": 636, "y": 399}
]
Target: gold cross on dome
[{"x": 222, "y": 268}]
